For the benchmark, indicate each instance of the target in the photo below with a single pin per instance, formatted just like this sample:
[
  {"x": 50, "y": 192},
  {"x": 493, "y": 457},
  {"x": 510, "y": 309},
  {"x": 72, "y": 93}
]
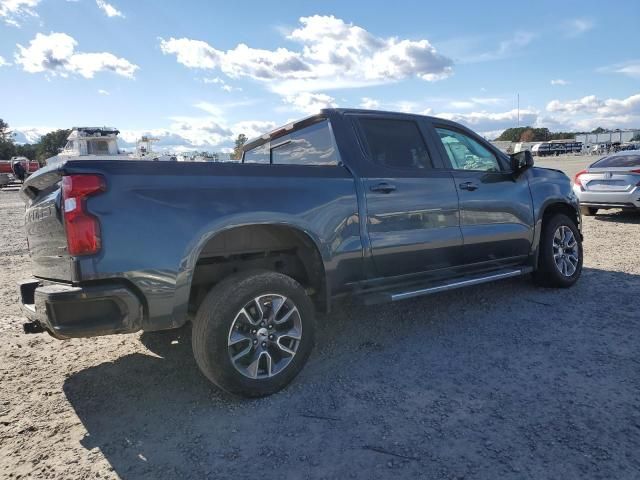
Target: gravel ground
[{"x": 504, "y": 380}]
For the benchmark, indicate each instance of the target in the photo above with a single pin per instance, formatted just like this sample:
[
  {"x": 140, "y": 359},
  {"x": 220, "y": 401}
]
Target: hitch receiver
[{"x": 32, "y": 327}]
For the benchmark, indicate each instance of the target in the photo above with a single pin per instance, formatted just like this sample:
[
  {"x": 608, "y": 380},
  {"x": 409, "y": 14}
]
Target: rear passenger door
[
  {"x": 496, "y": 210},
  {"x": 412, "y": 208}
]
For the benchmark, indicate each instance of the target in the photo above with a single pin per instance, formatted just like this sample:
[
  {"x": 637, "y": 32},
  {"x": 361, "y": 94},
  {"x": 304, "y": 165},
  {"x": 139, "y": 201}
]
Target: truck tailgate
[{"x": 44, "y": 226}]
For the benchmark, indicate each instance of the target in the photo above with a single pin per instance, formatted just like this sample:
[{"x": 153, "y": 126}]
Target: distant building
[{"x": 617, "y": 136}]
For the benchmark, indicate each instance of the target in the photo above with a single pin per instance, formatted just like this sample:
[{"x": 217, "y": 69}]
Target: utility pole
[{"x": 518, "y": 110}]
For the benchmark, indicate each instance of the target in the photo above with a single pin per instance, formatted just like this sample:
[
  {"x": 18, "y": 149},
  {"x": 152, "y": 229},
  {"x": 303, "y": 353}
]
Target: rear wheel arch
[{"x": 280, "y": 248}]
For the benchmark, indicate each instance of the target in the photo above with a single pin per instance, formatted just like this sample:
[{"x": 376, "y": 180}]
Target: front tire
[
  {"x": 560, "y": 257},
  {"x": 254, "y": 332}
]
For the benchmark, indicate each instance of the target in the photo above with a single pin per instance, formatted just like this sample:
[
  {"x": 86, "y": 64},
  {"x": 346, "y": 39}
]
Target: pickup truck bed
[{"x": 377, "y": 205}]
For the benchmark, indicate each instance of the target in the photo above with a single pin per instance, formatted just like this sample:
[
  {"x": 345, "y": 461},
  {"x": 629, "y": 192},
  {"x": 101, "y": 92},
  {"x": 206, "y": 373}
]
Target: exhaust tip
[{"x": 32, "y": 327}]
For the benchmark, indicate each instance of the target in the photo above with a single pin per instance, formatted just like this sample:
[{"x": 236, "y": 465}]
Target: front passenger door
[{"x": 496, "y": 209}]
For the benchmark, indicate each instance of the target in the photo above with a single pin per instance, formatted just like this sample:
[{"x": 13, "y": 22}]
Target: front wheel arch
[{"x": 546, "y": 272}]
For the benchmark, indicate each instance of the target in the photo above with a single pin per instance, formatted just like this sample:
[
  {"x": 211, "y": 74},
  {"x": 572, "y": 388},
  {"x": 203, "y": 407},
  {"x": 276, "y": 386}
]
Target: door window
[
  {"x": 465, "y": 153},
  {"x": 395, "y": 143}
]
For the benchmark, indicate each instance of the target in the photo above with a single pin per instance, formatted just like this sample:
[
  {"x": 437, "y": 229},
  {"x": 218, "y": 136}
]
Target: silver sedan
[{"x": 611, "y": 182}]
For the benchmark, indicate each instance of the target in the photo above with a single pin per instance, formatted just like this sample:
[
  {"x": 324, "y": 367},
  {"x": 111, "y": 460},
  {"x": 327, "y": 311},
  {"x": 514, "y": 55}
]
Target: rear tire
[
  {"x": 588, "y": 211},
  {"x": 236, "y": 319},
  {"x": 556, "y": 265}
]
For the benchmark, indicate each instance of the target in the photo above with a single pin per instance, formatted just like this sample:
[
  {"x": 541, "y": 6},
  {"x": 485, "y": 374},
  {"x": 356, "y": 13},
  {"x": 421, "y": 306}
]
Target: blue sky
[{"x": 197, "y": 73}]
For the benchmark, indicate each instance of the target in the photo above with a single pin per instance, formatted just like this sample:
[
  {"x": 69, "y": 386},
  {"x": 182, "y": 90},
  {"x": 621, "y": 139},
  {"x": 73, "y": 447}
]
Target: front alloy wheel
[
  {"x": 560, "y": 256},
  {"x": 566, "y": 254}
]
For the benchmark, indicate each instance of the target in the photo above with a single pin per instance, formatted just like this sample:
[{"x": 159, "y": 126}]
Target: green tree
[
  {"x": 51, "y": 143},
  {"x": 7, "y": 145},
  {"x": 512, "y": 134},
  {"x": 599, "y": 130},
  {"x": 530, "y": 134},
  {"x": 636, "y": 138},
  {"x": 237, "y": 149},
  {"x": 27, "y": 150}
]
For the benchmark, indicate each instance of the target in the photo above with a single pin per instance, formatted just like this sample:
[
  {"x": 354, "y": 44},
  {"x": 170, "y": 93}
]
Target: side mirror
[{"x": 521, "y": 161}]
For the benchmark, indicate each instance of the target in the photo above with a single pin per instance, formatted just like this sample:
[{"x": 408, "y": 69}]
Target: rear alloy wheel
[
  {"x": 560, "y": 257},
  {"x": 588, "y": 211},
  {"x": 264, "y": 336},
  {"x": 254, "y": 332}
]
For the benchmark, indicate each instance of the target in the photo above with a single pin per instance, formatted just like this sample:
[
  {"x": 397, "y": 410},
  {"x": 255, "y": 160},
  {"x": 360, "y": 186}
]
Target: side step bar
[{"x": 380, "y": 297}]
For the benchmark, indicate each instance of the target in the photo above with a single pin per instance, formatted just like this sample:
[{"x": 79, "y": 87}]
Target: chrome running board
[{"x": 379, "y": 297}]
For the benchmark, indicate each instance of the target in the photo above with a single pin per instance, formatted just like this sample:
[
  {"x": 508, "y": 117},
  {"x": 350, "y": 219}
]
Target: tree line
[
  {"x": 530, "y": 134},
  {"x": 48, "y": 145}
]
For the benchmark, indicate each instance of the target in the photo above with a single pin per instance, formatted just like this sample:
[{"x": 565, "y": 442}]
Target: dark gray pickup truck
[{"x": 374, "y": 205}]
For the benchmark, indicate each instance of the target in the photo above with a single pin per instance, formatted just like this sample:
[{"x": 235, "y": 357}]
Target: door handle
[
  {"x": 468, "y": 186},
  {"x": 383, "y": 187}
]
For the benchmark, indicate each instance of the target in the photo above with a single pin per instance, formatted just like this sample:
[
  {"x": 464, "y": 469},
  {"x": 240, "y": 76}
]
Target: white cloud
[
  {"x": 461, "y": 104},
  {"x": 333, "y": 54},
  {"x": 308, "y": 102},
  {"x": 369, "y": 103},
  {"x": 489, "y": 122},
  {"x": 252, "y": 128},
  {"x": 13, "y": 12},
  {"x": 197, "y": 133},
  {"x": 55, "y": 54},
  {"x": 469, "y": 52},
  {"x": 630, "y": 68},
  {"x": 184, "y": 133},
  {"x": 589, "y": 112},
  {"x": 3, "y": 62},
  {"x": 592, "y": 104},
  {"x": 223, "y": 85},
  {"x": 487, "y": 100},
  {"x": 214, "y": 80},
  {"x": 578, "y": 26},
  {"x": 108, "y": 9},
  {"x": 560, "y": 81},
  {"x": 104, "y": 92},
  {"x": 473, "y": 102}
]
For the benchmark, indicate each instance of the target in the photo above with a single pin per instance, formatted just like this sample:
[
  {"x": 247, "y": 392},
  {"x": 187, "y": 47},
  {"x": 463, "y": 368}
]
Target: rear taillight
[
  {"x": 576, "y": 179},
  {"x": 83, "y": 229}
]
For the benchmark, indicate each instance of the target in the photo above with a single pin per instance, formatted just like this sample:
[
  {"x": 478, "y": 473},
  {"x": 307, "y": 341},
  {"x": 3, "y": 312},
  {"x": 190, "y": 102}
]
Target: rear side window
[
  {"x": 632, "y": 160},
  {"x": 259, "y": 154},
  {"x": 312, "y": 145},
  {"x": 395, "y": 143}
]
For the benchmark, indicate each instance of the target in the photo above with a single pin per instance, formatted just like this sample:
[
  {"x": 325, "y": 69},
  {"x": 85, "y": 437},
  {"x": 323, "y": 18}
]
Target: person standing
[{"x": 19, "y": 171}]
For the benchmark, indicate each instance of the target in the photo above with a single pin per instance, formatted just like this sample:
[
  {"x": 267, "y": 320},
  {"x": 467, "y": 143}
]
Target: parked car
[
  {"x": 611, "y": 182},
  {"x": 373, "y": 205}
]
